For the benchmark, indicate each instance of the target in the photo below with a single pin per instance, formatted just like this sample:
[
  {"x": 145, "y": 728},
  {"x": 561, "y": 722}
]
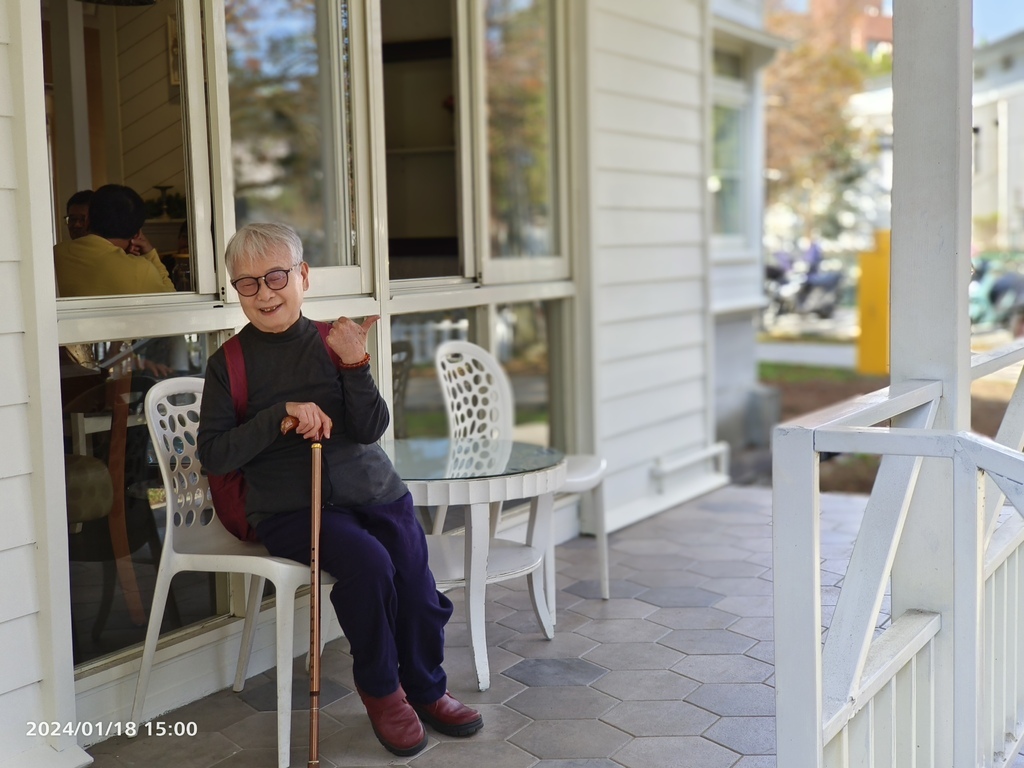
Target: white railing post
[
  {"x": 797, "y": 574},
  {"x": 970, "y": 696}
]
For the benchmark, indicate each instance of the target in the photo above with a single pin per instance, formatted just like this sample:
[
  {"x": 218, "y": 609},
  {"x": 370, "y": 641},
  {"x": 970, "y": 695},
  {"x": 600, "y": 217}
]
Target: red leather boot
[
  {"x": 450, "y": 716},
  {"x": 395, "y": 723}
]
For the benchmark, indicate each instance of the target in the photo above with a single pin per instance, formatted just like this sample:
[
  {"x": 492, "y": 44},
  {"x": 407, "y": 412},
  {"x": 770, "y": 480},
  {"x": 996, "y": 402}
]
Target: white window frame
[{"x": 475, "y": 187}]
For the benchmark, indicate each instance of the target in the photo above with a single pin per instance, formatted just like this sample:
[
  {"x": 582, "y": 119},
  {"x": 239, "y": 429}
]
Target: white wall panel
[
  {"x": 648, "y": 263},
  {"x": 19, "y": 598},
  {"x": 644, "y": 446},
  {"x": 627, "y": 414},
  {"x": 632, "y": 301},
  {"x": 6, "y": 99},
  {"x": 625, "y": 190},
  {"x": 8, "y": 224},
  {"x": 615, "y": 151},
  {"x": 22, "y": 667},
  {"x": 16, "y": 708},
  {"x": 671, "y": 368},
  {"x": 638, "y": 39},
  {"x": 627, "y": 113},
  {"x": 644, "y": 336},
  {"x": 735, "y": 283},
  {"x": 649, "y": 246},
  {"x": 617, "y": 227},
  {"x": 678, "y": 15},
  {"x": 14, "y": 458},
  {"x": 13, "y": 384},
  {"x": 18, "y": 528},
  {"x": 12, "y": 319},
  {"x": 7, "y": 180},
  {"x": 643, "y": 79}
]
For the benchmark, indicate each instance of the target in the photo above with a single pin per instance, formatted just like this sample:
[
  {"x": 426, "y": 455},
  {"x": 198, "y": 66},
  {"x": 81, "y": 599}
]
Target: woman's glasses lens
[{"x": 276, "y": 279}]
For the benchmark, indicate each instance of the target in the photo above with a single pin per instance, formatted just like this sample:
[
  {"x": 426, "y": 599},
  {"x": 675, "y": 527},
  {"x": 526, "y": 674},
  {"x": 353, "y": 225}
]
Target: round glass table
[{"x": 482, "y": 474}]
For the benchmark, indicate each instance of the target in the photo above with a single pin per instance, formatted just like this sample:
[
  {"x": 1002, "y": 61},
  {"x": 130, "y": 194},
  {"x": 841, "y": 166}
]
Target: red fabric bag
[{"x": 228, "y": 491}]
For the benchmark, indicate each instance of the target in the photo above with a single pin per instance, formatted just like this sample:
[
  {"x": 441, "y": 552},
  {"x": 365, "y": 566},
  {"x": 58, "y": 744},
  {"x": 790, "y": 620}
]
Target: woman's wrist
[{"x": 357, "y": 364}]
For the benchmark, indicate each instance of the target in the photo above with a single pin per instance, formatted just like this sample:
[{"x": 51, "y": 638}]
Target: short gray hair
[{"x": 253, "y": 241}]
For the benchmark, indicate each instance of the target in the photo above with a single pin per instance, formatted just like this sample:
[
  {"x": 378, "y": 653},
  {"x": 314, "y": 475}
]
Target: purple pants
[{"x": 385, "y": 598}]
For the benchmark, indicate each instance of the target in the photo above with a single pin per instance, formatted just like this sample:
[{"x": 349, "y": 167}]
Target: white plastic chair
[
  {"x": 479, "y": 402},
  {"x": 195, "y": 540}
]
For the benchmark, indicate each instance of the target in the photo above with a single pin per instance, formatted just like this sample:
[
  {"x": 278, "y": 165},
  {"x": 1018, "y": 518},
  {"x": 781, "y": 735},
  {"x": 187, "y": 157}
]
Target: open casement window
[
  {"x": 126, "y": 105},
  {"x": 516, "y": 76},
  {"x": 473, "y": 136},
  {"x": 288, "y": 83}
]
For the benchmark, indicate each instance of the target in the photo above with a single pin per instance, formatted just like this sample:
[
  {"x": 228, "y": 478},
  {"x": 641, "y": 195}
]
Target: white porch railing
[{"x": 870, "y": 697}]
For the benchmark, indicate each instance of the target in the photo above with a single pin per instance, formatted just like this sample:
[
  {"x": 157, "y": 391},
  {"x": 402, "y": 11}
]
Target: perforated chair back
[
  {"x": 172, "y": 411},
  {"x": 477, "y": 393}
]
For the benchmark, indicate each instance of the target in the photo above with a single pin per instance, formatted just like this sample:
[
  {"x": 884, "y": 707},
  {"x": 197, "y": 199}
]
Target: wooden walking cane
[
  {"x": 287, "y": 425},
  {"x": 314, "y": 615}
]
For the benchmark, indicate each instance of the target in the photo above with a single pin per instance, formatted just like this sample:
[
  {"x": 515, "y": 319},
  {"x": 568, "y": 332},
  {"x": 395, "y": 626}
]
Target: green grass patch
[
  {"x": 782, "y": 373},
  {"x": 435, "y": 423}
]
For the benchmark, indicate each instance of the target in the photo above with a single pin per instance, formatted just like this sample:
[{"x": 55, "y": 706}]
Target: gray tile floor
[{"x": 675, "y": 671}]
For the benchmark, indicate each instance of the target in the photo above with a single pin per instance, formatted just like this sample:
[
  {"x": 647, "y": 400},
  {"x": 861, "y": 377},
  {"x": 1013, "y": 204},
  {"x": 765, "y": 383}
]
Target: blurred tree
[{"x": 812, "y": 160}]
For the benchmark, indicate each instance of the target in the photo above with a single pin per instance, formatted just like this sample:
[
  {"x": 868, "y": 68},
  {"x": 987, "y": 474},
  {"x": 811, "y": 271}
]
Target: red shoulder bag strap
[
  {"x": 324, "y": 329},
  {"x": 238, "y": 382}
]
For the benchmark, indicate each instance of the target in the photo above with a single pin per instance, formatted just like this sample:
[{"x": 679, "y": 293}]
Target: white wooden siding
[
  {"x": 36, "y": 676},
  {"x": 19, "y": 669},
  {"x": 649, "y": 247}
]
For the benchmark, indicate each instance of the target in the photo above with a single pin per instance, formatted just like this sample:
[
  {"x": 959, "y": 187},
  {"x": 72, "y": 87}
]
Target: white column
[{"x": 930, "y": 330}]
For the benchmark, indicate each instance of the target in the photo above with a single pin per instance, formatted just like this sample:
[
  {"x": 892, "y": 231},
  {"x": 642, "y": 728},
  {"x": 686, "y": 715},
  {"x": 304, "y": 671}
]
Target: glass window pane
[
  {"x": 520, "y": 134},
  {"x": 110, "y": 466},
  {"x": 522, "y": 346},
  {"x": 418, "y": 408},
  {"x": 116, "y": 115},
  {"x": 288, "y": 164},
  {"x": 726, "y": 182}
]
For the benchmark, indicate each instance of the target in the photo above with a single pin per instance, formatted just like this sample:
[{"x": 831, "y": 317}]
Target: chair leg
[
  {"x": 252, "y": 612},
  {"x": 601, "y": 533},
  {"x": 541, "y": 580},
  {"x": 285, "y": 620},
  {"x": 440, "y": 513},
  {"x": 156, "y": 615},
  {"x": 495, "y": 517}
]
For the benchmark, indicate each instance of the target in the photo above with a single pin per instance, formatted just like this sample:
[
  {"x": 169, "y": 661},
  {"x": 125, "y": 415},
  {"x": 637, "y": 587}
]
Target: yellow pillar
[{"x": 873, "y": 303}]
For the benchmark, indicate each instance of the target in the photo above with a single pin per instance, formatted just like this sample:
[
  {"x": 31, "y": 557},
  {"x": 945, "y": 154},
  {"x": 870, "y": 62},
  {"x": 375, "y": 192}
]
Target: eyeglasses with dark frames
[{"x": 275, "y": 280}]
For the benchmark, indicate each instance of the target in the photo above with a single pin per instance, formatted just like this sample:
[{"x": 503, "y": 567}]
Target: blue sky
[{"x": 996, "y": 19}]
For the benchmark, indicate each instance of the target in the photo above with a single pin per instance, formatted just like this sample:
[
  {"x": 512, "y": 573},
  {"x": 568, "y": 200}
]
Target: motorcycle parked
[
  {"x": 795, "y": 287},
  {"x": 996, "y": 297}
]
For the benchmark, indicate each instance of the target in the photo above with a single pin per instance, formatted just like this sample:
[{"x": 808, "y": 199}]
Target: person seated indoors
[
  {"x": 371, "y": 541},
  {"x": 77, "y": 217},
  {"x": 115, "y": 257}
]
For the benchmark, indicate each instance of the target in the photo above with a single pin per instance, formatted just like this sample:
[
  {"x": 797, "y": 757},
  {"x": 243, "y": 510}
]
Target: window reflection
[
  {"x": 520, "y": 128},
  {"x": 418, "y": 408},
  {"x": 115, "y": 115},
  {"x": 115, "y": 497},
  {"x": 521, "y": 340},
  {"x": 286, "y": 117}
]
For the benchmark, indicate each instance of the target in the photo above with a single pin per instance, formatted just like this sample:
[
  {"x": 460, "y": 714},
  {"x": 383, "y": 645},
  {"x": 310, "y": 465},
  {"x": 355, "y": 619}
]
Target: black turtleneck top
[{"x": 295, "y": 366}]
